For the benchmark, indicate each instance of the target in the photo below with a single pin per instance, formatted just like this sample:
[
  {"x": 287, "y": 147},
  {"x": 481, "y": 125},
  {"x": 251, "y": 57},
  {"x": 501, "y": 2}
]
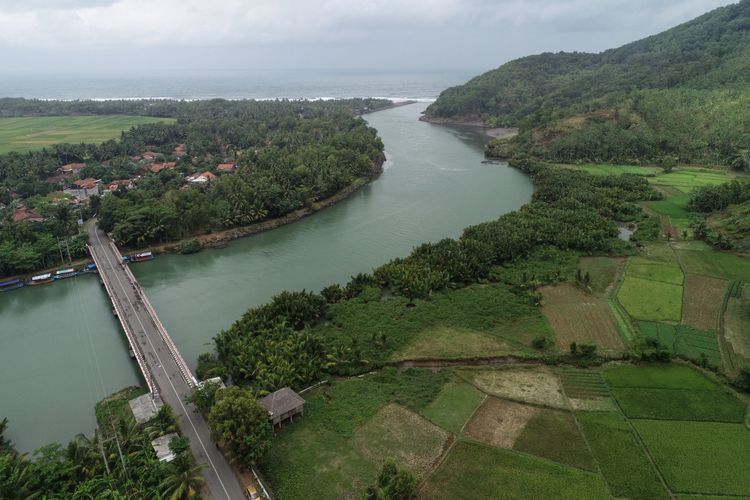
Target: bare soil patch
[
  {"x": 536, "y": 386},
  {"x": 578, "y": 317},
  {"x": 399, "y": 434},
  {"x": 499, "y": 422},
  {"x": 701, "y": 302}
]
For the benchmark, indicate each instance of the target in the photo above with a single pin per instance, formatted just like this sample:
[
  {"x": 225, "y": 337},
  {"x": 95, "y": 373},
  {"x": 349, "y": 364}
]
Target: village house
[
  {"x": 179, "y": 151},
  {"x": 161, "y": 447},
  {"x": 226, "y": 167},
  {"x": 282, "y": 405},
  {"x": 114, "y": 185},
  {"x": 158, "y": 167},
  {"x": 72, "y": 168},
  {"x": 23, "y": 214},
  {"x": 201, "y": 178},
  {"x": 84, "y": 188}
]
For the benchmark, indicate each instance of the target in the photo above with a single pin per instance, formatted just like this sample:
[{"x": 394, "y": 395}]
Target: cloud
[{"x": 79, "y": 24}]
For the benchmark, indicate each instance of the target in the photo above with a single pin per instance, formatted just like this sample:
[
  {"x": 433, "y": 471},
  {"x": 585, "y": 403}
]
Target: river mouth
[{"x": 433, "y": 185}]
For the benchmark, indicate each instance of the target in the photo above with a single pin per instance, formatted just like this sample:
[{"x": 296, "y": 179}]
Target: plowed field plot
[
  {"x": 603, "y": 271},
  {"x": 536, "y": 386},
  {"x": 700, "y": 457},
  {"x": 499, "y": 422},
  {"x": 586, "y": 390},
  {"x": 701, "y": 303},
  {"x": 578, "y": 317},
  {"x": 737, "y": 322},
  {"x": 399, "y": 434}
]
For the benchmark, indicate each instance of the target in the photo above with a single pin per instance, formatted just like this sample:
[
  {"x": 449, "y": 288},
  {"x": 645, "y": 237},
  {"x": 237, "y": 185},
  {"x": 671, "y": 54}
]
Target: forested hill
[
  {"x": 712, "y": 50},
  {"x": 680, "y": 96}
]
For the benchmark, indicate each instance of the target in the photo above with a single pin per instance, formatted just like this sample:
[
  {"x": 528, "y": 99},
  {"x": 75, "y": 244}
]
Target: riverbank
[
  {"x": 219, "y": 239},
  {"x": 494, "y": 132}
]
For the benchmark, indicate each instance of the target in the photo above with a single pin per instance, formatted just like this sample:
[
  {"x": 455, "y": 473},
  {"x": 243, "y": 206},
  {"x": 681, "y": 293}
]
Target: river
[{"x": 54, "y": 345}]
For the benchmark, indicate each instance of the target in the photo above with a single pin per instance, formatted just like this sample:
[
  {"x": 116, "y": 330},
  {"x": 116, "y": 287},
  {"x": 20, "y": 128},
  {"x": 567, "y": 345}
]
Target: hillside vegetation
[{"x": 677, "y": 96}]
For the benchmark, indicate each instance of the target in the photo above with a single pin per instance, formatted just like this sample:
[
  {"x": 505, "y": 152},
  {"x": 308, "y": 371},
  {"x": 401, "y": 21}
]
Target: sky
[{"x": 116, "y": 36}]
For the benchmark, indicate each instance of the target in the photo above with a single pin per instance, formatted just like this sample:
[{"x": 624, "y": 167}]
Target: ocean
[{"x": 236, "y": 84}]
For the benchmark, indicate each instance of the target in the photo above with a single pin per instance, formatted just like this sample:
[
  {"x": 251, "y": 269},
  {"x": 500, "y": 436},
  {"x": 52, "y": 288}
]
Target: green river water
[{"x": 61, "y": 349}]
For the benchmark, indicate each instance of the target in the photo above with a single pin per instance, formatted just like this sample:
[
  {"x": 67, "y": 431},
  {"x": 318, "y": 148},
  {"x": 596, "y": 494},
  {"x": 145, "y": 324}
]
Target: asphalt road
[{"x": 220, "y": 480}]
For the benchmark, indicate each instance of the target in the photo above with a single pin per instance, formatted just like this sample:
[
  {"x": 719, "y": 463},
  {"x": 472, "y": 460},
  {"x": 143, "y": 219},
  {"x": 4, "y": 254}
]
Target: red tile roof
[
  {"x": 27, "y": 214},
  {"x": 158, "y": 167},
  {"x": 88, "y": 183},
  {"x": 226, "y": 167}
]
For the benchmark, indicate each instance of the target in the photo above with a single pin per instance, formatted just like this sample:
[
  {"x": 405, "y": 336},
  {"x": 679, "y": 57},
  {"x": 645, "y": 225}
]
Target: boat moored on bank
[
  {"x": 65, "y": 273},
  {"x": 143, "y": 256},
  {"x": 10, "y": 285},
  {"x": 41, "y": 279}
]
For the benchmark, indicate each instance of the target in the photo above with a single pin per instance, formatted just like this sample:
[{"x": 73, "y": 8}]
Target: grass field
[
  {"x": 685, "y": 341},
  {"x": 492, "y": 314},
  {"x": 665, "y": 272},
  {"x": 621, "y": 459},
  {"x": 318, "y": 456},
  {"x": 737, "y": 322},
  {"x": 553, "y": 434},
  {"x": 651, "y": 300},
  {"x": 672, "y": 392},
  {"x": 700, "y": 457},
  {"x": 603, "y": 169},
  {"x": 676, "y": 404},
  {"x": 603, "y": 271},
  {"x": 30, "y": 133},
  {"x": 702, "y": 301},
  {"x": 453, "y": 406},
  {"x": 576, "y": 316},
  {"x": 672, "y": 207},
  {"x": 687, "y": 179},
  {"x": 709, "y": 262},
  {"x": 484, "y": 471},
  {"x": 659, "y": 376}
]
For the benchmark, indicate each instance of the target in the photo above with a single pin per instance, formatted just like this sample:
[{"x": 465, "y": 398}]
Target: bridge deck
[{"x": 166, "y": 373}]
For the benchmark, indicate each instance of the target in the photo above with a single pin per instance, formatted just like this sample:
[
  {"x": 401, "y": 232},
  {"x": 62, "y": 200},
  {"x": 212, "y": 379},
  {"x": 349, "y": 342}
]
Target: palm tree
[{"x": 186, "y": 482}]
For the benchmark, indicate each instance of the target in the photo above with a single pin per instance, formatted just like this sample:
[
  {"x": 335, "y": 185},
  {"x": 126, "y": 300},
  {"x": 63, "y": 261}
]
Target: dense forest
[
  {"x": 288, "y": 155},
  {"x": 276, "y": 345},
  {"x": 617, "y": 106}
]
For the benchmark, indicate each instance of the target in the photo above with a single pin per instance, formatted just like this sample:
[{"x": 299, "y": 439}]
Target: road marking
[{"x": 179, "y": 399}]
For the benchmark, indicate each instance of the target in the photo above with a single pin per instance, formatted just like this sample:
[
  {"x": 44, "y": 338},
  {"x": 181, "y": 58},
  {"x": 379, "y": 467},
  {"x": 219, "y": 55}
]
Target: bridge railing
[
  {"x": 125, "y": 326},
  {"x": 185, "y": 371}
]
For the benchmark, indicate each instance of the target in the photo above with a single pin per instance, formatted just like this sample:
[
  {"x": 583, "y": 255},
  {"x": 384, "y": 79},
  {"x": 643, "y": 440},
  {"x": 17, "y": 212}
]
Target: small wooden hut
[{"x": 282, "y": 405}]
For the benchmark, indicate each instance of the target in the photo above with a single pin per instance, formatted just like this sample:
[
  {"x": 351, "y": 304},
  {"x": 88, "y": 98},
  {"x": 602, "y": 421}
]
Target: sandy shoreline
[{"x": 495, "y": 133}]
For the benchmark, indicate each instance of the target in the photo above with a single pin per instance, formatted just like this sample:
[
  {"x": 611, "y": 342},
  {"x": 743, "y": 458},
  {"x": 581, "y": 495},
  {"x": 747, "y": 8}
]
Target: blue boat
[
  {"x": 10, "y": 285},
  {"x": 90, "y": 268}
]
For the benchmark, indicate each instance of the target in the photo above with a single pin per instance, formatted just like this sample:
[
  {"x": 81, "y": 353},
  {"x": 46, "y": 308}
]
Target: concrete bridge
[{"x": 167, "y": 375}]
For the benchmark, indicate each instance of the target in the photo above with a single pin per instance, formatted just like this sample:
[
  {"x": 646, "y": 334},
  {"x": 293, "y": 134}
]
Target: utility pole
[
  {"x": 59, "y": 247},
  {"x": 101, "y": 450}
]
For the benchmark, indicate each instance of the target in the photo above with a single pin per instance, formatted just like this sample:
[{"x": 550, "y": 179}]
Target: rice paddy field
[
  {"x": 605, "y": 169},
  {"x": 31, "y": 133},
  {"x": 474, "y": 432},
  {"x": 687, "y": 179}
]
